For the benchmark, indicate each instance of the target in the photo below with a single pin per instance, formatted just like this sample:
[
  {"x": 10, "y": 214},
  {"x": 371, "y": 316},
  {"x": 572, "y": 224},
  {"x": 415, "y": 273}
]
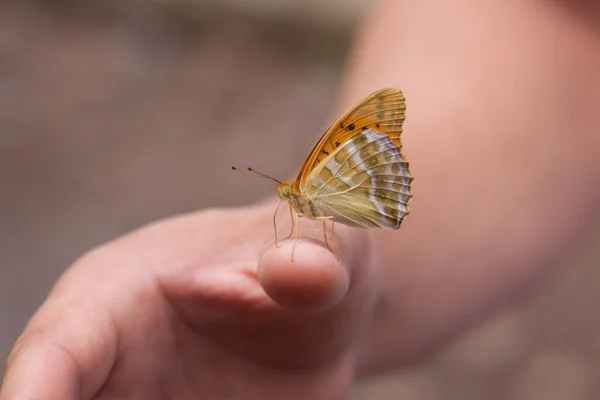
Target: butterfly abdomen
[{"x": 307, "y": 207}]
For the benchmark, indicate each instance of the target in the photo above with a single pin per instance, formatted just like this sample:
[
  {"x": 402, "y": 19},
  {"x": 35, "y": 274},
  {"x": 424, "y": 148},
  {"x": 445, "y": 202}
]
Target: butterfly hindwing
[
  {"x": 365, "y": 182},
  {"x": 383, "y": 111}
]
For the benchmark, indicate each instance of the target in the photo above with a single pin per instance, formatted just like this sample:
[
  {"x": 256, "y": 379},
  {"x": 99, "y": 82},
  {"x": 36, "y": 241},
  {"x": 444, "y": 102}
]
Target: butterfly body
[{"x": 301, "y": 204}]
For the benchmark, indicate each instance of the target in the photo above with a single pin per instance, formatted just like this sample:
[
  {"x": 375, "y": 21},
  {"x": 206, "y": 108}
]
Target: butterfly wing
[
  {"x": 365, "y": 182},
  {"x": 383, "y": 111}
]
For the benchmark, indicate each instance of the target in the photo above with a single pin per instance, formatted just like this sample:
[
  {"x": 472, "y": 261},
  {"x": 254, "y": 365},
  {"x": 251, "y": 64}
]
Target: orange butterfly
[{"x": 356, "y": 174}]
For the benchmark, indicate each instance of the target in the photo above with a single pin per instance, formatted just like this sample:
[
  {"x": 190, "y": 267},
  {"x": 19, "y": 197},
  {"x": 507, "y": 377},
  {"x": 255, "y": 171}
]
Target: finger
[
  {"x": 65, "y": 353},
  {"x": 41, "y": 370},
  {"x": 315, "y": 279}
]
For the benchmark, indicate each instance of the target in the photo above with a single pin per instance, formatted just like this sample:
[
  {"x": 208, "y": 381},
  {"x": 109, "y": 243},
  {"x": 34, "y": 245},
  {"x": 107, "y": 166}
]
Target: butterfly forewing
[
  {"x": 382, "y": 111},
  {"x": 364, "y": 152}
]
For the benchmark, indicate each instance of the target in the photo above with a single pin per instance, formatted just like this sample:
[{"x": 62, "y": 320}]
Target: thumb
[{"x": 315, "y": 279}]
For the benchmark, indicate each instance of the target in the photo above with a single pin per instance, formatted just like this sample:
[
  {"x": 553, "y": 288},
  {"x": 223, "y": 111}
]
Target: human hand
[{"x": 201, "y": 306}]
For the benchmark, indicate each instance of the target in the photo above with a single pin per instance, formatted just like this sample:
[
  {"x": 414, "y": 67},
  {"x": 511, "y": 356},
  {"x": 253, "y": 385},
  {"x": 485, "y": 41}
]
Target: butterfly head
[{"x": 284, "y": 190}]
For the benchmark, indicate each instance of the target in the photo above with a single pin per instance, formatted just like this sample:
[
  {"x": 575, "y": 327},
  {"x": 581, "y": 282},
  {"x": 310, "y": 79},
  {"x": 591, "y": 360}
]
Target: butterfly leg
[
  {"x": 293, "y": 222},
  {"x": 330, "y": 246},
  {"x": 333, "y": 239},
  {"x": 295, "y": 232},
  {"x": 325, "y": 233}
]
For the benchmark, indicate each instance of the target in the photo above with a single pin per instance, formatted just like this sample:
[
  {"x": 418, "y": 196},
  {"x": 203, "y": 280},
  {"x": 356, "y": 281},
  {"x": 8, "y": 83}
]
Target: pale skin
[{"x": 502, "y": 136}]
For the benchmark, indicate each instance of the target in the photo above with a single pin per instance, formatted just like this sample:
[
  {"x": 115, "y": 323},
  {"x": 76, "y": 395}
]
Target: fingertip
[
  {"x": 314, "y": 280},
  {"x": 41, "y": 370}
]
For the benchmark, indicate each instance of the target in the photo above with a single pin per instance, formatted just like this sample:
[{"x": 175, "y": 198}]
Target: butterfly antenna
[{"x": 257, "y": 173}]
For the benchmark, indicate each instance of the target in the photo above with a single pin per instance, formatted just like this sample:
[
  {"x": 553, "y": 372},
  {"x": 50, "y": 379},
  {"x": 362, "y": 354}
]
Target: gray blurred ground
[{"x": 113, "y": 117}]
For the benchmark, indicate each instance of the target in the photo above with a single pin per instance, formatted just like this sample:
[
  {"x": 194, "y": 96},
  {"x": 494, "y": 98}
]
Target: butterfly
[{"x": 356, "y": 174}]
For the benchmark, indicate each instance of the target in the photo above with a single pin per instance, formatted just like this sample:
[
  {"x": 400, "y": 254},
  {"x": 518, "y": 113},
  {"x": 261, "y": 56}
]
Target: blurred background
[{"x": 116, "y": 113}]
